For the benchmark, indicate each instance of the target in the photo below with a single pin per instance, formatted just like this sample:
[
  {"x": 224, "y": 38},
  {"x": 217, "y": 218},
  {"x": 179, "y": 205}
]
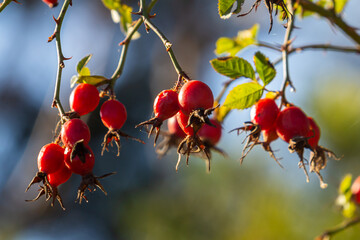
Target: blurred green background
[{"x": 147, "y": 199}]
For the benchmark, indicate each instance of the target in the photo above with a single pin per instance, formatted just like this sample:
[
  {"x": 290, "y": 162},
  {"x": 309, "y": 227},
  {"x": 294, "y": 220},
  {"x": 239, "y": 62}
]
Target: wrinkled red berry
[
  {"x": 292, "y": 122},
  {"x": 113, "y": 114},
  {"x": 76, "y": 165},
  {"x": 195, "y": 95},
  {"x": 264, "y": 113},
  {"x": 84, "y": 98},
  {"x": 166, "y": 104},
  {"x": 50, "y": 158},
  {"x": 73, "y": 131}
]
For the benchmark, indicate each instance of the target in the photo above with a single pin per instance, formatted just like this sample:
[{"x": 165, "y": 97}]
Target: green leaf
[
  {"x": 224, "y": 7},
  {"x": 345, "y": 184},
  {"x": 244, "y": 96},
  {"x": 264, "y": 68},
  {"x": 239, "y": 5},
  {"x": 232, "y": 46},
  {"x": 85, "y": 71},
  {"x": 83, "y": 63},
  {"x": 233, "y": 67},
  {"x": 112, "y": 4},
  {"x": 223, "y": 111},
  {"x": 120, "y": 13},
  {"x": 93, "y": 79}
]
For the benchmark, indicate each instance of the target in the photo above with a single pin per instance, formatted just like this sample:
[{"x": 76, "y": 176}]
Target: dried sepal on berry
[
  {"x": 90, "y": 182},
  {"x": 114, "y": 136}
]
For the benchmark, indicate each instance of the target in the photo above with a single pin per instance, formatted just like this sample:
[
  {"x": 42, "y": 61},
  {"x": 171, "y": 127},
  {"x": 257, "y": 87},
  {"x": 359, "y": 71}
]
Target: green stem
[
  {"x": 118, "y": 71},
  {"x": 61, "y": 58},
  {"x": 4, "y": 4},
  {"x": 343, "y": 226},
  {"x": 332, "y": 17},
  {"x": 126, "y": 42}
]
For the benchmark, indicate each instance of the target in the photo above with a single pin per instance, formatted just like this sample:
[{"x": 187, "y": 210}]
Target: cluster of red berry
[
  {"x": 293, "y": 126},
  {"x": 187, "y": 109},
  {"x": 70, "y": 153}
]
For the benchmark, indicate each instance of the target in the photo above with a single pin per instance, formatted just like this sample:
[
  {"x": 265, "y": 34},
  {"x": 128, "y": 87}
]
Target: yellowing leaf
[
  {"x": 264, "y": 68},
  {"x": 224, "y": 7},
  {"x": 232, "y": 46}
]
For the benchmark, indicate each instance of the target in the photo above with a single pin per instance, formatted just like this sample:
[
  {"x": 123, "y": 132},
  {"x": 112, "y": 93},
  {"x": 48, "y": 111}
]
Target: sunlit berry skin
[
  {"x": 209, "y": 133},
  {"x": 113, "y": 114},
  {"x": 264, "y": 113},
  {"x": 292, "y": 122},
  {"x": 182, "y": 119},
  {"x": 355, "y": 190},
  {"x": 73, "y": 131},
  {"x": 76, "y": 165},
  {"x": 60, "y": 176},
  {"x": 174, "y": 127},
  {"x": 51, "y": 3},
  {"x": 195, "y": 95},
  {"x": 50, "y": 158},
  {"x": 270, "y": 135},
  {"x": 166, "y": 104},
  {"x": 84, "y": 98},
  {"x": 313, "y": 134}
]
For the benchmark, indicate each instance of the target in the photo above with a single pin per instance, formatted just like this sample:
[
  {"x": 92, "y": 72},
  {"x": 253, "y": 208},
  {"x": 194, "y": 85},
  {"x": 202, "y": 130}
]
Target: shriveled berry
[
  {"x": 113, "y": 114},
  {"x": 195, "y": 95},
  {"x": 73, "y": 131},
  {"x": 80, "y": 166},
  {"x": 292, "y": 122},
  {"x": 209, "y": 133},
  {"x": 84, "y": 98},
  {"x": 264, "y": 113},
  {"x": 166, "y": 104},
  {"x": 313, "y": 134},
  {"x": 50, "y": 158},
  {"x": 174, "y": 127}
]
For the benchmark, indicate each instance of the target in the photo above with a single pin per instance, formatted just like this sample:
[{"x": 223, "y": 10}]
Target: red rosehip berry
[
  {"x": 74, "y": 131},
  {"x": 60, "y": 176},
  {"x": 264, "y": 113},
  {"x": 313, "y": 134},
  {"x": 166, "y": 104},
  {"x": 80, "y": 166},
  {"x": 355, "y": 190},
  {"x": 195, "y": 95},
  {"x": 51, "y": 3},
  {"x": 270, "y": 135},
  {"x": 113, "y": 114},
  {"x": 182, "y": 119},
  {"x": 84, "y": 98},
  {"x": 50, "y": 158},
  {"x": 174, "y": 127},
  {"x": 292, "y": 122},
  {"x": 209, "y": 133}
]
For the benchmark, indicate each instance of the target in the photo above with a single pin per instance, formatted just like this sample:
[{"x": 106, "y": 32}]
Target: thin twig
[
  {"x": 4, "y": 4},
  {"x": 332, "y": 17},
  {"x": 285, "y": 51},
  {"x": 343, "y": 226},
  {"x": 61, "y": 58}
]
